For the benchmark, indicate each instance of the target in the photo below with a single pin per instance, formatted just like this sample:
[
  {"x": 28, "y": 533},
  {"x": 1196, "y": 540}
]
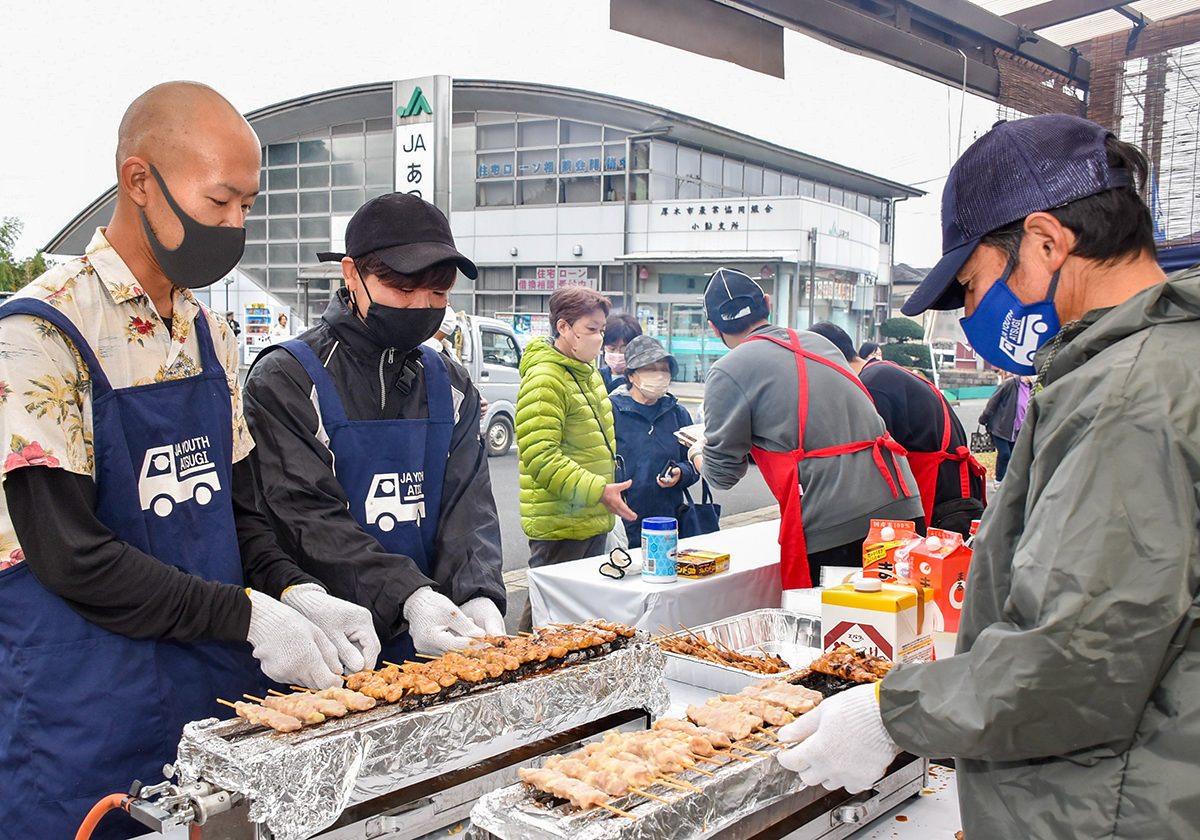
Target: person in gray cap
[
  {"x": 1072, "y": 705},
  {"x": 790, "y": 399},
  {"x": 646, "y": 416},
  {"x": 369, "y": 460}
]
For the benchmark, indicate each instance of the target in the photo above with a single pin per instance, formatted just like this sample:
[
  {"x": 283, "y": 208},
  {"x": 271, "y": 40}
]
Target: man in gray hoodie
[{"x": 789, "y": 399}]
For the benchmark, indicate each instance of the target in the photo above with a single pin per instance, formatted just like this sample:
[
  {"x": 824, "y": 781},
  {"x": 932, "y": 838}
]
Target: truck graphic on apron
[
  {"x": 177, "y": 473},
  {"x": 386, "y": 504}
]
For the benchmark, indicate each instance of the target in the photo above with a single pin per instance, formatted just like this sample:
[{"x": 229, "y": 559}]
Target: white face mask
[{"x": 653, "y": 384}]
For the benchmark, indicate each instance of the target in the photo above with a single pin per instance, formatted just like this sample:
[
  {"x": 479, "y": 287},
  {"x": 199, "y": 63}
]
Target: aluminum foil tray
[
  {"x": 794, "y": 637},
  {"x": 299, "y": 783},
  {"x": 736, "y": 789}
]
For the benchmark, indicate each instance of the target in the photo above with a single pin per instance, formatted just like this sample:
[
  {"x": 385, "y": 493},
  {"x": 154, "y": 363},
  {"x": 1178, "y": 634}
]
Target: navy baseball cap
[
  {"x": 731, "y": 296},
  {"x": 408, "y": 233},
  {"x": 1017, "y": 168}
]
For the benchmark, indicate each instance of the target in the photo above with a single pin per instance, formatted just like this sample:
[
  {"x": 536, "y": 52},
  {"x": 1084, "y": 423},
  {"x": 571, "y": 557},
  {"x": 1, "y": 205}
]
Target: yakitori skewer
[{"x": 750, "y": 750}]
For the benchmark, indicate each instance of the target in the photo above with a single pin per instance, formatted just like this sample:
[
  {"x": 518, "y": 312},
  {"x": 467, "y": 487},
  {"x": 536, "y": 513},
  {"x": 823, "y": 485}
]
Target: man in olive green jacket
[{"x": 1073, "y": 703}]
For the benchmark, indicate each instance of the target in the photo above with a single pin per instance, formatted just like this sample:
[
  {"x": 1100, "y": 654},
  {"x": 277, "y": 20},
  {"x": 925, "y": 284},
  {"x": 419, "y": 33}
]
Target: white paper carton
[{"x": 879, "y": 618}]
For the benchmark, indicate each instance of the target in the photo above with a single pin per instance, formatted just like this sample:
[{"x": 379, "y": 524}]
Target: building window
[
  {"x": 304, "y": 180},
  {"x": 494, "y": 278}
]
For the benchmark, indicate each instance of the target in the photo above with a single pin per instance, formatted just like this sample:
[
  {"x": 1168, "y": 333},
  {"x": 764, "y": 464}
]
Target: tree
[
  {"x": 913, "y": 356},
  {"x": 901, "y": 329},
  {"x": 16, "y": 273}
]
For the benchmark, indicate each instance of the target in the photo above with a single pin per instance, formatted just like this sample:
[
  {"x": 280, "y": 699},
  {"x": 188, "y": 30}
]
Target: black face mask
[
  {"x": 207, "y": 252},
  {"x": 403, "y": 329}
]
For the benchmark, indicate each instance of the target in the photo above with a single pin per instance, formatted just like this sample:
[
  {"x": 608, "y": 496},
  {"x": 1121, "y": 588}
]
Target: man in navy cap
[
  {"x": 369, "y": 460},
  {"x": 1072, "y": 706},
  {"x": 789, "y": 399}
]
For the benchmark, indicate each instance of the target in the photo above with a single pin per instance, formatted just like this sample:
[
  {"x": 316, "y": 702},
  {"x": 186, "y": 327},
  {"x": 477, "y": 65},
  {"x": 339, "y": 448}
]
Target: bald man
[{"x": 137, "y": 580}]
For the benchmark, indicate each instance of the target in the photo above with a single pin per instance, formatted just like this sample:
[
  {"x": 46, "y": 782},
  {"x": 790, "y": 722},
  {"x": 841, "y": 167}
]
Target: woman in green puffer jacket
[{"x": 565, "y": 435}]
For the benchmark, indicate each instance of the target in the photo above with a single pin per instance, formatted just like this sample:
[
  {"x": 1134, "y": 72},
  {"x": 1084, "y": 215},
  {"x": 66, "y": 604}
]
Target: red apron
[
  {"x": 925, "y": 465},
  {"x": 781, "y": 470}
]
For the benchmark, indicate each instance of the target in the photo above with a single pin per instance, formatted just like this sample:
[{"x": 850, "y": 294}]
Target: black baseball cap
[
  {"x": 408, "y": 233},
  {"x": 1017, "y": 168},
  {"x": 731, "y": 296}
]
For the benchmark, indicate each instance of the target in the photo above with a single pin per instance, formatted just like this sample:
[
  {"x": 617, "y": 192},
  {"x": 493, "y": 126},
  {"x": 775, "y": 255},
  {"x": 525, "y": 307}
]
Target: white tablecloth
[{"x": 576, "y": 591}]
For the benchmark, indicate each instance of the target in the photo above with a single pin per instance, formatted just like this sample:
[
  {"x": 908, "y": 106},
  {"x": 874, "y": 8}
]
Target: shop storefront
[{"x": 549, "y": 186}]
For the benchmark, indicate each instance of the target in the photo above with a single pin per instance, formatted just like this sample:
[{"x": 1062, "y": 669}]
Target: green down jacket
[
  {"x": 564, "y": 438},
  {"x": 1073, "y": 704}
]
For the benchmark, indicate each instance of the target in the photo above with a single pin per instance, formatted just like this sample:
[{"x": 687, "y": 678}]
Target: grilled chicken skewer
[
  {"x": 293, "y": 706},
  {"x": 328, "y": 708},
  {"x": 262, "y": 716}
]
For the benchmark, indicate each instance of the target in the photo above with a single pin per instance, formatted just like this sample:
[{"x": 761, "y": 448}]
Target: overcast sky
[{"x": 69, "y": 69}]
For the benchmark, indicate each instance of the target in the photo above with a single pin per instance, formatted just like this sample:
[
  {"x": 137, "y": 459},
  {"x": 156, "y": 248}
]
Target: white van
[{"x": 488, "y": 349}]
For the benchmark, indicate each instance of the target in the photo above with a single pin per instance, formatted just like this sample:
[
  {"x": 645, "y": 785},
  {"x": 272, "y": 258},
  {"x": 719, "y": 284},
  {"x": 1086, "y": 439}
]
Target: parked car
[{"x": 490, "y": 353}]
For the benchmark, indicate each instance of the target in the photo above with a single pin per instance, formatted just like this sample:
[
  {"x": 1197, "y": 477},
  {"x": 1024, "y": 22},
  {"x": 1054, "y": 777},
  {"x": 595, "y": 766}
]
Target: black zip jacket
[
  {"x": 913, "y": 414},
  {"x": 297, "y": 489}
]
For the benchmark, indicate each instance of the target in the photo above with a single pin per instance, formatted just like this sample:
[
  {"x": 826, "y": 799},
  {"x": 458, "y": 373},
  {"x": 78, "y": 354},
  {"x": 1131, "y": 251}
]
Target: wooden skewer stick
[
  {"x": 276, "y": 693},
  {"x": 709, "y": 760},
  {"x": 669, "y": 784},
  {"x": 252, "y": 697},
  {"x": 302, "y": 688},
  {"x": 227, "y": 703},
  {"x": 389, "y": 664},
  {"x": 747, "y": 749},
  {"x": 735, "y": 757},
  {"x": 696, "y": 769},
  {"x": 673, "y": 782},
  {"x": 617, "y": 810},
  {"x": 770, "y": 741},
  {"x": 429, "y": 655},
  {"x": 649, "y": 795}
]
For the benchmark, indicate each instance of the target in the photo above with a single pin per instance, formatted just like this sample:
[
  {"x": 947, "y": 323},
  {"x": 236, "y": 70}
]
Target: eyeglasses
[{"x": 616, "y": 564}]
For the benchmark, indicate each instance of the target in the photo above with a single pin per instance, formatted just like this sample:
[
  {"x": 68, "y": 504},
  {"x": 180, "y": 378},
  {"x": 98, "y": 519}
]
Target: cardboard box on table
[{"x": 880, "y": 618}]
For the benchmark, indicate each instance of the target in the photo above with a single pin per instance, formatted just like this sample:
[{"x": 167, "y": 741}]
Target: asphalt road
[{"x": 750, "y": 494}]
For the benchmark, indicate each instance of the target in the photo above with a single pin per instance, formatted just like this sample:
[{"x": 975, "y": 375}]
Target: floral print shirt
[{"x": 45, "y": 390}]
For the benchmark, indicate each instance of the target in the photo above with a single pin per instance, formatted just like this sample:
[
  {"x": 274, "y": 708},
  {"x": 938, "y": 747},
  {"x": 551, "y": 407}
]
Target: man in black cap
[
  {"x": 789, "y": 399},
  {"x": 1072, "y": 706},
  {"x": 369, "y": 460}
]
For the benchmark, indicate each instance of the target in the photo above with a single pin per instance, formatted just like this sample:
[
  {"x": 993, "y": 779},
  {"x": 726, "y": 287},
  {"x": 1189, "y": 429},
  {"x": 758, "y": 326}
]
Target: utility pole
[{"x": 812, "y": 274}]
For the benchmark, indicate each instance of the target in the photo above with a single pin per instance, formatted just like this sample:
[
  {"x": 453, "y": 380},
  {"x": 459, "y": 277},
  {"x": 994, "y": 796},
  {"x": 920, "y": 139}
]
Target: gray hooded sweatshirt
[
  {"x": 1073, "y": 704},
  {"x": 751, "y": 398}
]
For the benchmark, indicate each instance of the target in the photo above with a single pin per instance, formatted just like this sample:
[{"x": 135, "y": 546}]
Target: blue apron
[
  {"x": 391, "y": 470},
  {"x": 84, "y": 712}
]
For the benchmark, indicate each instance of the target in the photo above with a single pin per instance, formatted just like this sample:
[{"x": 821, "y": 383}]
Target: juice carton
[
  {"x": 880, "y": 618},
  {"x": 879, "y": 548},
  {"x": 940, "y": 562}
]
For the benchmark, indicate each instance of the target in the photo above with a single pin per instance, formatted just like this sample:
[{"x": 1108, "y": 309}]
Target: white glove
[
  {"x": 844, "y": 742},
  {"x": 695, "y": 449},
  {"x": 485, "y": 613},
  {"x": 436, "y": 624},
  {"x": 349, "y": 626},
  {"x": 289, "y": 647}
]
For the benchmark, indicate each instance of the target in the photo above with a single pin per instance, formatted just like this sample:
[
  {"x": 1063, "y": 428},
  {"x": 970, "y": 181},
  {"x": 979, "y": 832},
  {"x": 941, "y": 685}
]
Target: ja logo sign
[{"x": 417, "y": 104}]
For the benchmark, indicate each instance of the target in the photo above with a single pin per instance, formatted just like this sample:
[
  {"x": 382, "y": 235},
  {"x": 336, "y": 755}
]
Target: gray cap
[{"x": 646, "y": 350}]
